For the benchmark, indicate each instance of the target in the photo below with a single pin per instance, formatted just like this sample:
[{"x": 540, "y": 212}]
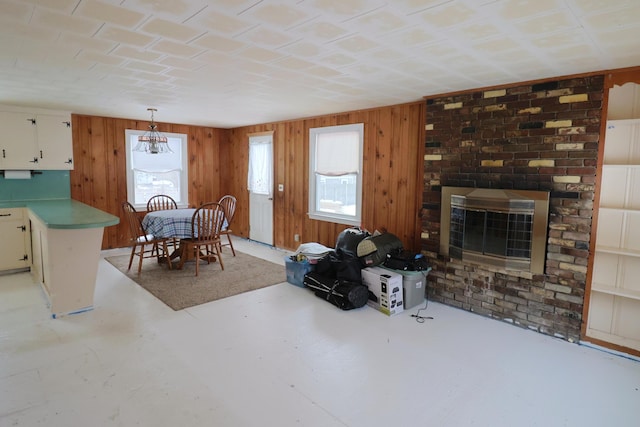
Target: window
[
  {"x": 260, "y": 176},
  {"x": 151, "y": 174},
  {"x": 335, "y": 173}
]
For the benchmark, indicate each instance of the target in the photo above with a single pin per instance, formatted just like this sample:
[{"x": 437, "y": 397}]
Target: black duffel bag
[
  {"x": 341, "y": 293},
  {"x": 406, "y": 260}
]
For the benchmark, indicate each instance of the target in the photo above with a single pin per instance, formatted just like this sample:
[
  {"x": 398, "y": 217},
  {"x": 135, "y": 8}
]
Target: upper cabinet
[{"x": 37, "y": 139}]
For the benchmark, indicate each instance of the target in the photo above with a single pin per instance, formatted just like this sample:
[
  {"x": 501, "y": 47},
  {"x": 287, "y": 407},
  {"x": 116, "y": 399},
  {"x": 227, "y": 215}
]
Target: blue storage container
[{"x": 296, "y": 270}]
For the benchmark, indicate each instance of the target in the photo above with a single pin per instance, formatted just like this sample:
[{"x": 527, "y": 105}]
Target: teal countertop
[{"x": 65, "y": 213}]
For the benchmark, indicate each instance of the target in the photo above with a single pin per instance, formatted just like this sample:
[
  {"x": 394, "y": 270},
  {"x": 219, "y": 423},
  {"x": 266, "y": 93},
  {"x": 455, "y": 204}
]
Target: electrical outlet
[{"x": 296, "y": 237}]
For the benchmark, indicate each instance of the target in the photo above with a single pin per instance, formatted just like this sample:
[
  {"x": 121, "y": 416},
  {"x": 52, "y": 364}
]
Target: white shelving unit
[{"x": 614, "y": 306}]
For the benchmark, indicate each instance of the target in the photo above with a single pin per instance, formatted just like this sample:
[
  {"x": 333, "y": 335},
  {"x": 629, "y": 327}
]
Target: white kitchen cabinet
[
  {"x": 614, "y": 304},
  {"x": 15, "y": 247},
  {"x": 18, "y": 140},
  {"x": 54, "y": 141},
  {"x": 38, "y": 140}
]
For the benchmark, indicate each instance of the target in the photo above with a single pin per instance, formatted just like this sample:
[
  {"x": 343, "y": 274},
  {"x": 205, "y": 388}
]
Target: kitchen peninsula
[{"x": 65, "y": 243}]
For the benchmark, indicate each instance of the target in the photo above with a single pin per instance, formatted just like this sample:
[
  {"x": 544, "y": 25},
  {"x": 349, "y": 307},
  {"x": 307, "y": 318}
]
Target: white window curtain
[
  {"x": 260, "y": 176},
  {"x": 337, "y": 153}
]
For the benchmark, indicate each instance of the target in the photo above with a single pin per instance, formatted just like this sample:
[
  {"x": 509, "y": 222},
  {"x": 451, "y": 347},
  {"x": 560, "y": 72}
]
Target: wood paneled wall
[
  {"x": 99, "y": 175},
  {"x": 218, "y": 159},
  {"x": 392, "y": 175}
]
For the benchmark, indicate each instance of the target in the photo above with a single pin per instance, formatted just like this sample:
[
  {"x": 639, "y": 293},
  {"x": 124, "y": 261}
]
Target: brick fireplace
[{"x": 541, "y": 137}]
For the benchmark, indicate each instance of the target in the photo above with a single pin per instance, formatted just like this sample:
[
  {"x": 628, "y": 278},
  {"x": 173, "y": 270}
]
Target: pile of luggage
[{"x": 337, "y": 277}]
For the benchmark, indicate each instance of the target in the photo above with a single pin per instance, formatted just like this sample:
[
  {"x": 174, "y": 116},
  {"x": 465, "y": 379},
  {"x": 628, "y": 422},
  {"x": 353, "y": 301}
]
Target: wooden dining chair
[
  {"x": 161, "y": 202},
  {"x": 143, "y": 245},
  {"x": 204, "y": 242},
  {"x": 228, "y": 202}
]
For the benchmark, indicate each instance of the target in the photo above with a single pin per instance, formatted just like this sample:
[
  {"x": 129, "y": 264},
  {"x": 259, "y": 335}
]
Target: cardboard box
[{"x": 387, "y": 288}]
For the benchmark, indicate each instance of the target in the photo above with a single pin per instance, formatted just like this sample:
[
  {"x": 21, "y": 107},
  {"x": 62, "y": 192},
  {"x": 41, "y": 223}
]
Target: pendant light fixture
[{"x": 153, "y": 142}]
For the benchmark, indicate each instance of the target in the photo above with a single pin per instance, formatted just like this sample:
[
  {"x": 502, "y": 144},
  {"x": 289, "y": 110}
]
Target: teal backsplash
[{"x": 47, "y": 185}]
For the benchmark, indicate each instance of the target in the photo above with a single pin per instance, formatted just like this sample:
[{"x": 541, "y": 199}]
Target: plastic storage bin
[
  {"x": 296, "y": 270},
  {"x": 414, "y": 286}
]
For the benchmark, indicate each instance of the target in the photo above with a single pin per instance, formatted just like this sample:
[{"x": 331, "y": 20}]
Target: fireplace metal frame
[{"x": 501, "y": 201}]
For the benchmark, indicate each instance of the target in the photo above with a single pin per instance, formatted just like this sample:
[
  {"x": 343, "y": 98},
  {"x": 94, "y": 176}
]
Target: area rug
[{"x": 181, "y": 289}]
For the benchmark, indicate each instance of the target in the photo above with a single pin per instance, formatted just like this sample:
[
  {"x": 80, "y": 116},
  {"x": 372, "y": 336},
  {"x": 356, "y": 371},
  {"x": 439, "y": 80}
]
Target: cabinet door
[
  {"x": 18, "y": 142},
  {"x": 55, "y": 147},
  {"x": 13, "y": 250}
]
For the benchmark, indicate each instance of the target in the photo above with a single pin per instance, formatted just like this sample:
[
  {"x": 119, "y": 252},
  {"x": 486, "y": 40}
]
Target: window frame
[
  {"x": 316, "y": 214},
  {"x": 184, "y": 173}
]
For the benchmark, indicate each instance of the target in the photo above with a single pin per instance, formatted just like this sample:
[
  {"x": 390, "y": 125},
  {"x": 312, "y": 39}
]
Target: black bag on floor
[{"x": 341, "y": 293}]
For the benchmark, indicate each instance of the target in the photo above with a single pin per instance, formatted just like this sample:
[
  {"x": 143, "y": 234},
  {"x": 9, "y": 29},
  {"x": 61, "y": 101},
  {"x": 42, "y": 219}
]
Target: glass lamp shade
[{"x": 153, "y": 142}]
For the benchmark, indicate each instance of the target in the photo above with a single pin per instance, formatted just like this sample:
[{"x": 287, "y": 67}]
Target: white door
[{"x": 260, "y": 185}]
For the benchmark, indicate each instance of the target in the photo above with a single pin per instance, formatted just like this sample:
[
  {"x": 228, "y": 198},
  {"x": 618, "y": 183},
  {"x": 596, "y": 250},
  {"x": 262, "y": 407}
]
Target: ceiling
[{"x": 228, "y": 63}]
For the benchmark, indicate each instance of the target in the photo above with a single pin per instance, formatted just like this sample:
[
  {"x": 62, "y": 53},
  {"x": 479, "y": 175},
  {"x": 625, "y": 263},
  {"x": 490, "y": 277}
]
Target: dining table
[{"x": 170, "y": 223}]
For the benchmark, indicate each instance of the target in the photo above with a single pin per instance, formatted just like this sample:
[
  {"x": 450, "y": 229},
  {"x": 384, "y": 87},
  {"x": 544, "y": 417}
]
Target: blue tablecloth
[{"x": 169, "y": 223}]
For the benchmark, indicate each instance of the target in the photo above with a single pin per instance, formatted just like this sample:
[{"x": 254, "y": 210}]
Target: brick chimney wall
[{"x": 530, "y": 137}]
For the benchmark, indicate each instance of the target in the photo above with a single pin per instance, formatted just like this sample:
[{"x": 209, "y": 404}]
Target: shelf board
[
  {"x": 618, "y": 292},
  {"x": 621, "y": 165},
  {"x": 618, "y": 251},
  {"x": 618, "y": 209},
  {"x": 624, "y": 122}
]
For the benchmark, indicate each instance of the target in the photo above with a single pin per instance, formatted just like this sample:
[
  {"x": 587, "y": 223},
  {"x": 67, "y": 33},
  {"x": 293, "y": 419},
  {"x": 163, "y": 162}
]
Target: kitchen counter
[
  {"x": 65, "y": 213},
  {"x": 66, "y": 240}
]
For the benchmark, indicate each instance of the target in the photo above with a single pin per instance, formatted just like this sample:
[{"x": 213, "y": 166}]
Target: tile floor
[{"x": 279, "y": 356}]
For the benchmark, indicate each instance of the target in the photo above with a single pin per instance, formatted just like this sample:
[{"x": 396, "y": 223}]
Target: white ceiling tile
[
  {"x": 410, "y": 37},
  {"x": 27, "y": 33},
  {"x": 277, "y": 14},
  {"x": 323, "y": 31},
  {"x": 12, "y": 11},
  {"x": 121, "y": 35},
  {"x": 176, "y": 49},
  {"x": 591, "y": 7},
  {"x": 146, "y": 74},
  {"x": 177, "y": 62},
  {"x": 76, "y": 41},
  {"x": 172, "y": 30},
  {"x": 105, "y": 12},
  {"x": 219, "y": 43},
  {"x": 380, "y": 21},
  {"x": 293, "y": 63},
  {"x": 476, "y": 31},
  {"x": 73, "y": 24},
  {"x": 338, "y": 59},
  {"x": 258, "y": 54},
  {"x": 414, "y": 6},
  {"x": 495, "y": 46},
  {"x": 174, "y": 9},
  {"x": 303, "y": 49},
  {"x": 448, "y": 15},
  {"x": 145, "y": 66},
  {"x": 345, "y": 8},
  {"x": 522, "y": 9},
  {"x": 60, "y": 5},
  {"x": 557, "y": 21},
  {"x": 101, "y": 58},
  {"x": 266, "y": 37},
  {"x": 218, "y": 22},
  {"x": 619, "y": 18},
  {"x": 356, "y": 44},
  {"x": 137, "y": 54}
]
